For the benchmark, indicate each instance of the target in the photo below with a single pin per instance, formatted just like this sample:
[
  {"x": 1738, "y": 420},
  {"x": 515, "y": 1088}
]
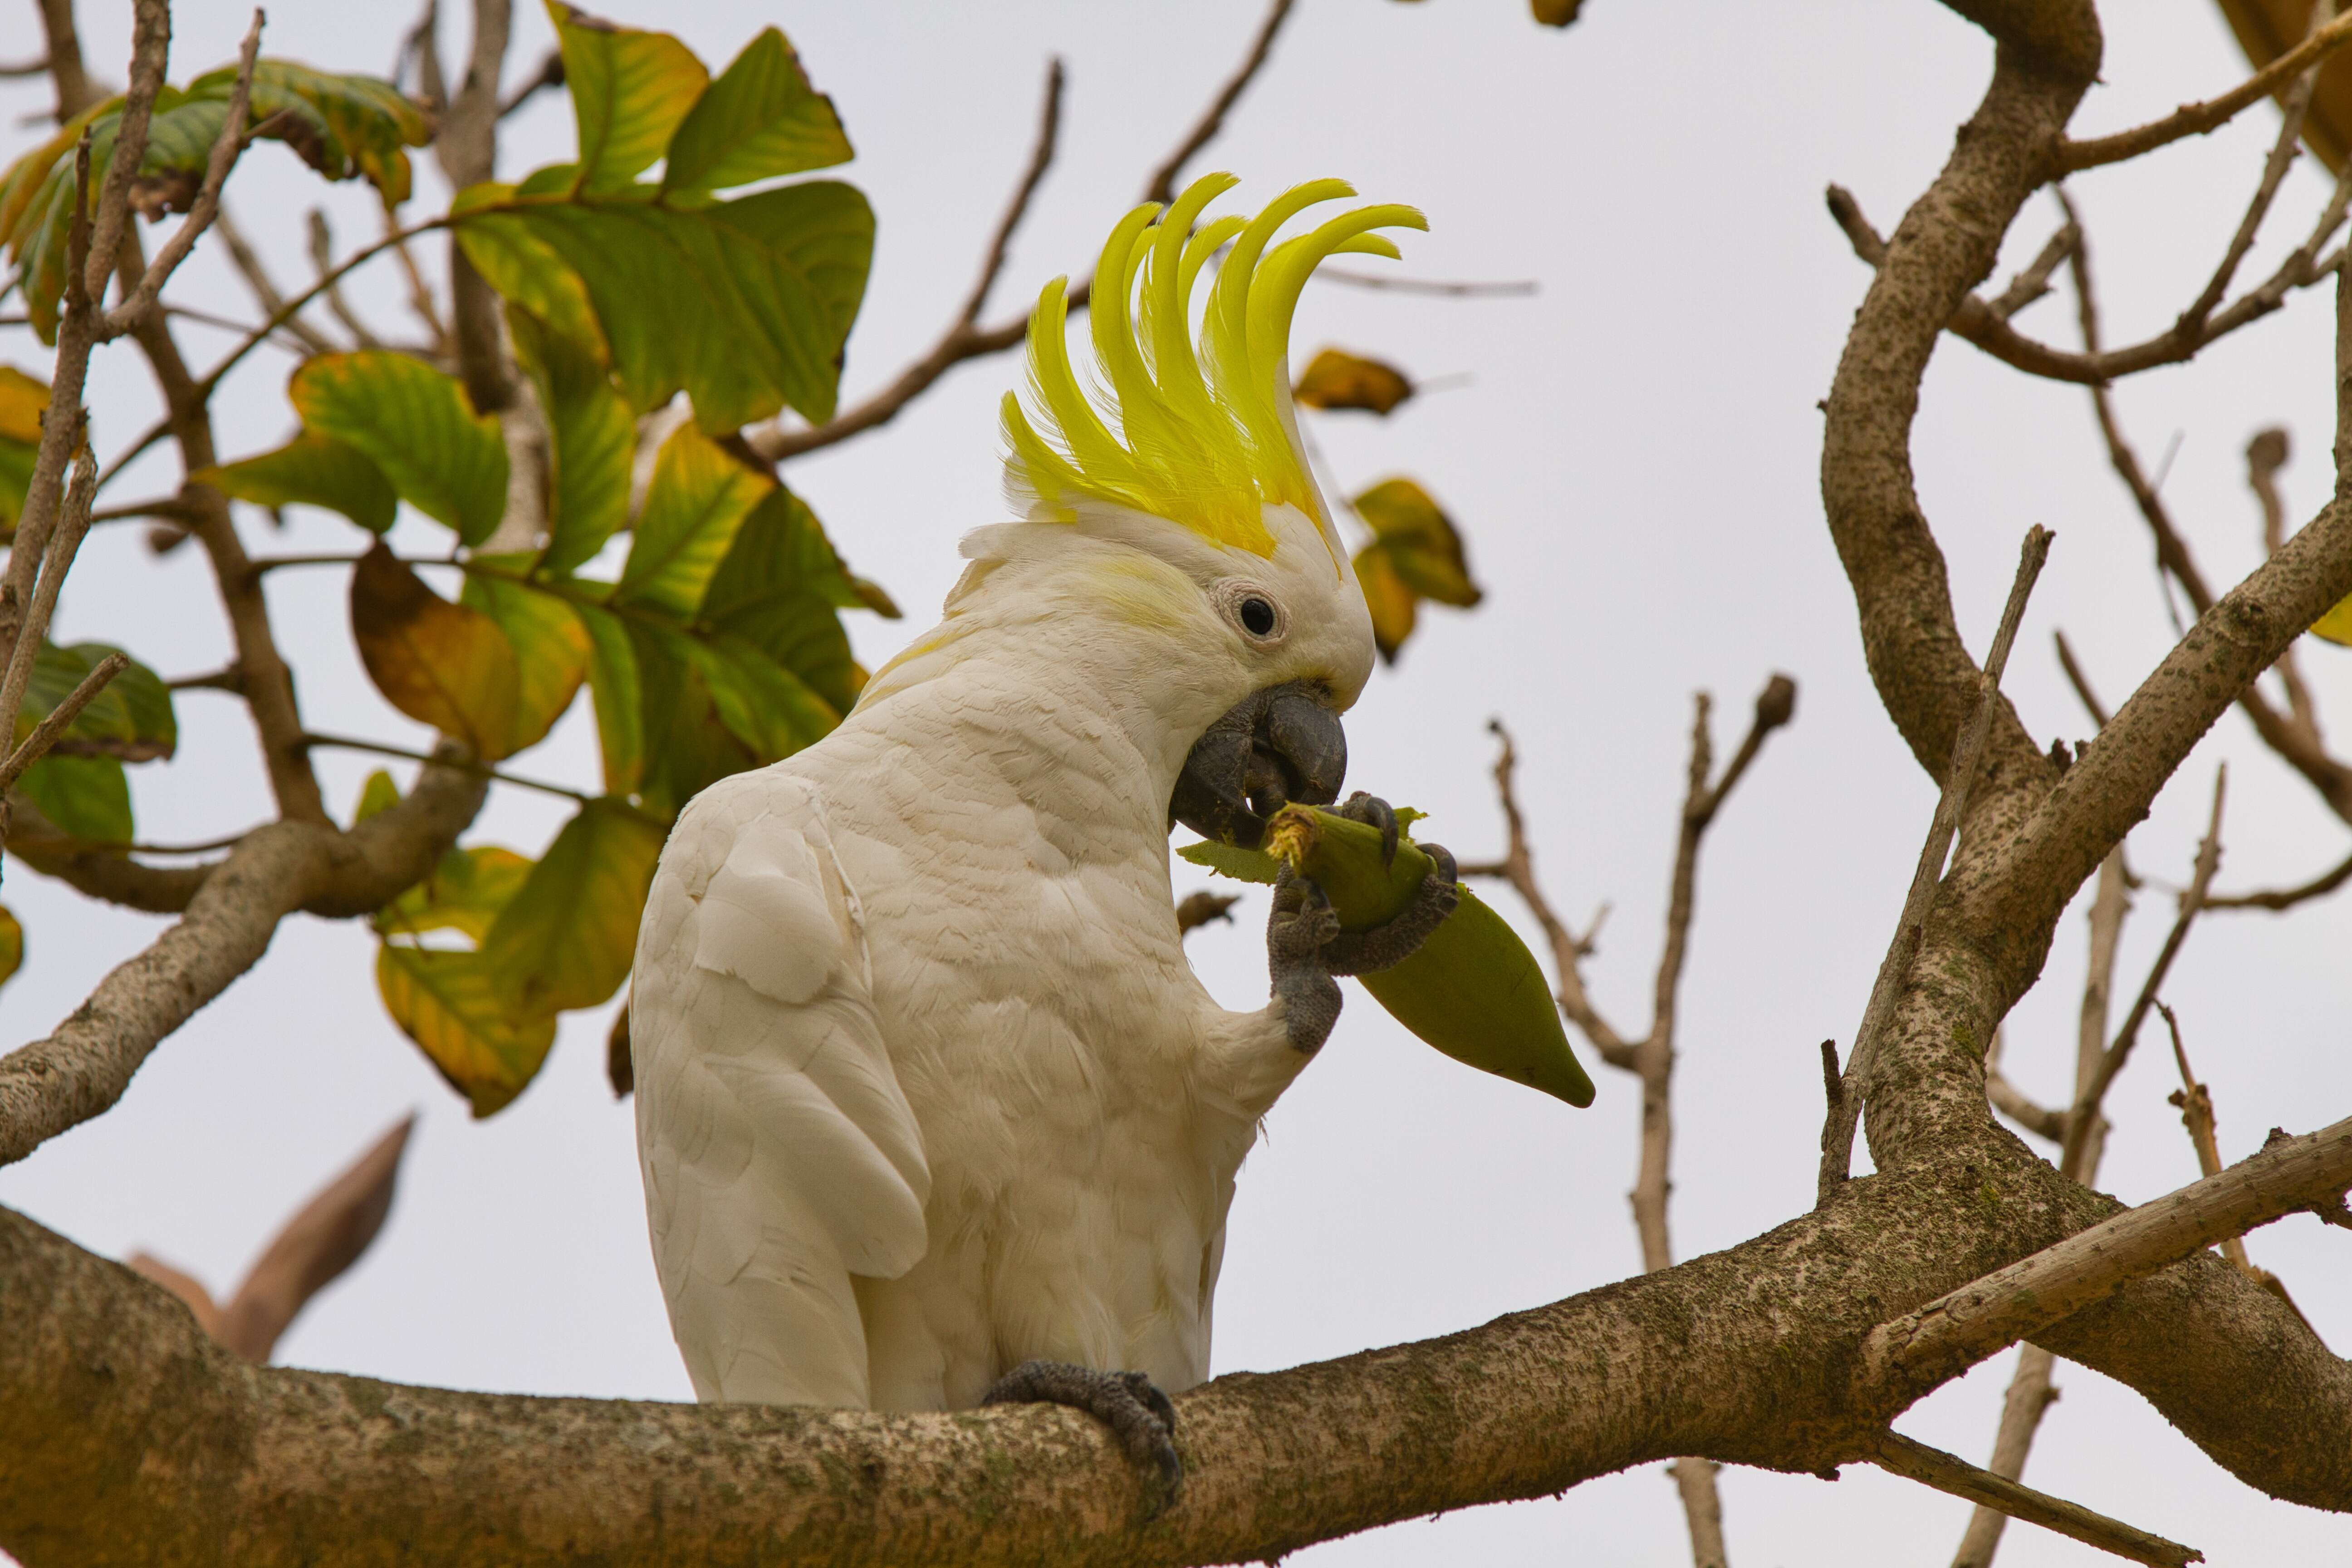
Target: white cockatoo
[{"x": 932, "y": 1111}]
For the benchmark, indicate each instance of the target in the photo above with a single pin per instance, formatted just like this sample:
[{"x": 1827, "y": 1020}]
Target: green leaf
[
  {"x": 525, "y": 270},
  {"x": 310, "y": 470},
  {"x": 378, "y": 793},
  {"x": 551, "y": 645},
  {"x": 446, "y": 1002},
  {"x": 687, "y": 745},
  {"x": 594, "y": 442},
  {"x": 1232, "y": 860},
  {"x": 415, "y": 425},
  {"x": 441, "y": 663},
  {"x": 615, "y": 687},
  {"x": 629, "y": 91},
  {"x": 131, "y": 720},
  {"x": 763, "y": 704},
  {"x": 781, "y": 588},
  {"x": 341, "y": 126},
  {"x": 760, "y": 119},
  {"x": 85, "y": 797},
  {"x": 567, "y": 937},
  {"x": 699, "y": 499},
  {"x": 12, "y": 944},
  {"x": 465, "y": 893},
  {"x": 743, "y": 305}
]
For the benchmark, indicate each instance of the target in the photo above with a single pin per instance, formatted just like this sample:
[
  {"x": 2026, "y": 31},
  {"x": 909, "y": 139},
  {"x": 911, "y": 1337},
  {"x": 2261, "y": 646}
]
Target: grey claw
[
  {"x": 1374, "y": 812},
  {"x": 1138, "y": 1413}
]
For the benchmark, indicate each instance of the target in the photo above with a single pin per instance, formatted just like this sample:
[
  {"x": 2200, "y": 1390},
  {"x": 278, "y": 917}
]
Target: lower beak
[{"x": 1274, "y": 747}]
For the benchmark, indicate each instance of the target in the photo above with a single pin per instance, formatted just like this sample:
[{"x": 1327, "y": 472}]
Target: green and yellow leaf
[
  {"x": 12, "y": 944},
  {"x": 1420, "y": 539},
  {"x": 759, "y": 121},
  {"x": 441, "y": 663},
  {"x": 23, "y": 399},
  {"x": 310, "y": 470},
  {"x": 1394, "y": 605},
  {"x": 630, "y": 89},
  {"x": 594, "y": 441},
  {"x": 566, "y": 938},
  {"x": 446, "y": 1002},
  {"x": 551, "y": 645},
  {"x": 415, "y": 425},
  {"x": 464, "y": 894},
  {"x": 617, "y": 692},
  {"x": 699, "y": 499},
  {"x": 378, "y": 793}
]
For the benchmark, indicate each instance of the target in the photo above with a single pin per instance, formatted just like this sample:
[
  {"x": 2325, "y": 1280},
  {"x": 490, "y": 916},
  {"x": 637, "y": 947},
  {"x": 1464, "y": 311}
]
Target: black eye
[{"x": 1258, "y": 615}]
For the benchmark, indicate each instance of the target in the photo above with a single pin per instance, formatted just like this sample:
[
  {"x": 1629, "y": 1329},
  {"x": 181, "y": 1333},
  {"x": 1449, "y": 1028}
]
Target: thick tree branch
[
  {"x": 85, "y": 1064},
  {"x": 2291, "y": 1175}
]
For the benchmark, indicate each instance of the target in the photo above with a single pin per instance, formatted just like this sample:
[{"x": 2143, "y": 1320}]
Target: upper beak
[{"x": 1275, "y": 746}]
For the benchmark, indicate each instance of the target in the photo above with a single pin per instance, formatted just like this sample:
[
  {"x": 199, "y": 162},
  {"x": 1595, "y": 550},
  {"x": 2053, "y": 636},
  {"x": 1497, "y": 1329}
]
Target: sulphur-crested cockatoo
[{"x": 932, "y": 1109}]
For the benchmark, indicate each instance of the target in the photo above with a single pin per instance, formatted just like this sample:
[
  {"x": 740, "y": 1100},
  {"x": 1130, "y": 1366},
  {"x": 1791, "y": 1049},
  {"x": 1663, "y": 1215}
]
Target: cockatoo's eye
[{"x": 1255, "y": 612}]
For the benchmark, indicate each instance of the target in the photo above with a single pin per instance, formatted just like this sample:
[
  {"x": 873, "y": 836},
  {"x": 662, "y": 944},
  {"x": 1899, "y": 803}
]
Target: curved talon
[
  {"x": 1373, "y": 812},
  {"x": 1138, "y": 1412},
  {"x": 1301, "y": 926}
]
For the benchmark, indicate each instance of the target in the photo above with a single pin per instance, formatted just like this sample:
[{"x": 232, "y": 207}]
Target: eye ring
[{"x": 1253, "y": 611}]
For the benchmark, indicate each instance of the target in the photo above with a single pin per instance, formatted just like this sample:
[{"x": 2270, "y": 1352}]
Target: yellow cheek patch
[{"x": 1203, "y": 433}]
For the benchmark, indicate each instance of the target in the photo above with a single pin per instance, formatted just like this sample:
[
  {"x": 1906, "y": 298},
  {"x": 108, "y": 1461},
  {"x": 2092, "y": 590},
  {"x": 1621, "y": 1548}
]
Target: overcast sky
[{"x": 1631, "y": 454}]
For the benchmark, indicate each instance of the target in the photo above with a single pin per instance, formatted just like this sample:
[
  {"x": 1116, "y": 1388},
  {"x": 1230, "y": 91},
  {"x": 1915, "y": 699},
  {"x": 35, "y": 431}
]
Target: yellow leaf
[
  {"x": 2267, "y": 29},
  {"x": 447, "y": 1003},
  {"x": 1420, "y": 541},
  {"x": 1391, "y": 602},
  {"x": 12, "y": 944},
  {"x": 1555, "y": 13},
  {"x": 2335, "y": 625},
  {"x": 439, "y": 663},
  {"x": 1337, "y": 380},
  {"x": 22, "y": 401}
]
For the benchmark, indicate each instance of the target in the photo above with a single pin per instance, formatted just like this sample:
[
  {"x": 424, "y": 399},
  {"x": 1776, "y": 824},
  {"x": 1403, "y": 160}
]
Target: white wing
[{"x": 779, "y": 1156}]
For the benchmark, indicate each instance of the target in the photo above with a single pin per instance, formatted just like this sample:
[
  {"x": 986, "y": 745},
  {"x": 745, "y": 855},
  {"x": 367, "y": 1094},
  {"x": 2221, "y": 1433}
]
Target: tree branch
[
  {"x": 2291, "y": 1175},
  {"x": 1951, "y": 806},
  {"x": 265, "y": 294},
  {"x": 1934, "y": 1467},
  {"x": 83, "y": 1067},
  {"x": 45, "y": 734},
  {"x": 2199, "y": 119},
  {"x": 1162, "y": 187}
]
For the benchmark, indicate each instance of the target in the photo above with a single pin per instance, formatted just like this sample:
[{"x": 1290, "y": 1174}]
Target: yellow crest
[{"x": 1203, "y": 438}]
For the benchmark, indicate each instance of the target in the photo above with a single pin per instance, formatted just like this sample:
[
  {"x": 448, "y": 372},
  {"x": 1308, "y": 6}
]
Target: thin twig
[
  {"x": 45, "y": 734},
  {"x": 1934, "y": 1467},
  {"x": 549, "y": 75},
  {"x": 2080, "y": 682},
  {"x": 2197, "y": 118},
  {"x": 1837, "y": 1132},
  {"x": 322, "y": 260},
  {"x": 965, "y": 338},
  {"x": 226, "y": 149},
  {"x": 57, "y": 560},
  {"x": 1512, "y": 288},
  {"x": 264, "y": 289},
  {"x": 1162, "y": 187},
  {"x": 482, "y": 770},
  {"x": 2087, "y": 1099},
  {"x": 2033, "y": 281},
  {"x": 2286, "y": 898}
]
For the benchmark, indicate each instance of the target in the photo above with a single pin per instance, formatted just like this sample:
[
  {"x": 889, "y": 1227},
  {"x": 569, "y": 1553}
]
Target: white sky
[{"x": 1633, "y": 462}]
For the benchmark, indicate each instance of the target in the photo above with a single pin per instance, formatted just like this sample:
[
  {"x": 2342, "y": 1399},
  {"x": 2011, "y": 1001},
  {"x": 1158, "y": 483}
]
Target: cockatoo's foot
[
  {"x": 1139, "y": 1415},
  {"x": 1305, "y": 946}
]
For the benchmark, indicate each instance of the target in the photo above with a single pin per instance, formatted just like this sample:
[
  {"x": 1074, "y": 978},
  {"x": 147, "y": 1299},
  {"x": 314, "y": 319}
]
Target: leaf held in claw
[{"x": 1473, "y": 990}]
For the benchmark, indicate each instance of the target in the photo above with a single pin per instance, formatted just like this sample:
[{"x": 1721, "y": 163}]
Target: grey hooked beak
[{"x": 1275, "y": 746}]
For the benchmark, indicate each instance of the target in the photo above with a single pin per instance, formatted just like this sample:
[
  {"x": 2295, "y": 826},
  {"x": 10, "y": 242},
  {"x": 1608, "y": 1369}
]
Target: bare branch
[
  {"x": 1837, "y": 1134},
  {"x": 2033, "y": 281},
  {"x": 322, "y": 262},
  {"x": 2198, "y": 119},
  {"x": 2291, "y": 1176},
  {"x": 83, "y": 1067},
  {"x": 2286, "y": 898},
  {"x": 57, "y": 559},
  {"x": 2083, "y": 1117},
  {"x": 151, "y": 44},
  {"x": 314, "y": 1247},
  {"x": 549, "y": 75},
  {"x": 1162, "y": 185},
  {"x": 1934, "y": 1467},
  {"x": 480, "y": 770},
  {"x": 265, "y": 294},
  {"x": 226, "y": 148},
  {"x": 1514, "y": 288},
  {"x": 2029, "y": 1399},
  {"x": 2080, "y": 681}
]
